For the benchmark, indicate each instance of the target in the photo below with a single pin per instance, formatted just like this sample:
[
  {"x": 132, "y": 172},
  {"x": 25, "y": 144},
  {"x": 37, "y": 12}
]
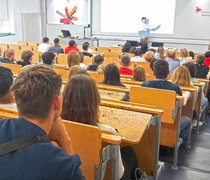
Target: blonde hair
[
  {"x": 183, "y": 52},
  {"x": 139, "y": 74},
  {"x": 149, "y": 56},
  {"x": 73, "y": 59},
  {"x": 181, "y": 76},
  {"x": 74, "y": 70},
  {"x": 101, "y": 68}
]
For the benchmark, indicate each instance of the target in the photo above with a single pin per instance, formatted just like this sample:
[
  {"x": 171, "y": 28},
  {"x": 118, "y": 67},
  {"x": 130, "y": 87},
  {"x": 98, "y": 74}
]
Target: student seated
[
  {"x": 38, "y": 96},
  {"x": 98, "y": 60},
  {"x": 172, "y": 61},
  {"x": 137, "y": 56},
  {"x": 149, "y": 56},
  {"x": 72, "y": 47},
  {"x": 26, "y": 58},
  {"x": 139, "y": 74},
  {"x": 6, "y": 98},
  {"x": 56, "y": 48},
  {"x": 82, "y": 65},
  {"x": 161, "y": 72},
  {"x": 126, "y": 48},
  {"x": 48, "y": 58},
  {"x": 201, "y": 70},
  {"x": 160, "y": 53},
  {"x": 81, "y": 101},
  {"x": 112, "y": 76},
  {"x": 207, "y": 58},
  {"x": 9, "y": 57},
  {"x": 73, "y": 58},
  {"x": 125, "y": 63},
  {"x": 44, "y": 46},
  {"x": 86, "y": 48},
  {"x": 76, "y": 70}
]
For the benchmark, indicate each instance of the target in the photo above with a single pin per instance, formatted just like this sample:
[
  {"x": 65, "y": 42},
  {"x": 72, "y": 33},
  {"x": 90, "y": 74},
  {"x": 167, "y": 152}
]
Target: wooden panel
[
  {"x": 99, "y": 78},
  {"x": 36, "y": 58},
  {"x": 25, "y": 47},
  {"x": 15, "y": 68},
  {"x": 103, "y": 49},
  {"x": 63, "y": 73},
  {"x": 16, "y": 47},
  {"x": 3, "y": 47},
  {"x": 6, "y": 113},
  {"x": 146, "y": 66},
  {"x": 62, "y": 59}
]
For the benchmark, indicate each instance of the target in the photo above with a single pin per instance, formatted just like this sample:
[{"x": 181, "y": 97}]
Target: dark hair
[
  {"x": 191, "y": 54},
  {"x": 81, "y": 100},
  {"x": 151, "y": 63},
  {"x": 132, "y": 49},
  {"x": 56, "y": 40},
  {"x": 143, "y": 18},
  {"x": 125, "y": 60},
  {"x": 26, "y": 55},
  {"x": 6, "y": 80},
  {"x": 35, "y": 89},
  {"x": 161, "y": 69},
  {"x": 207, "y": 54},
  {"x": 126, "y": 48},
  {"x": 191, "y": 67},
  {"x": 48, "y": 58},
  {"x": 112, "y": 75},
  {"x": 200, "y": 58},
  {"x": 72, "y": 43},
  {"x": 45, "y": 39},
  {"x": 98, "y": 59},
  {"x": 85, "y": 46},
  {"x": 137, "y": 52}
]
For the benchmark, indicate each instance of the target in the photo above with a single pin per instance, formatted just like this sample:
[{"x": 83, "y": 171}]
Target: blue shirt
[
  {"x": 41, "y": 161},
  {"x": 163, "y": 84},
  {"x": 56, "y": 49},
  {"x": 173, "y": 64}
]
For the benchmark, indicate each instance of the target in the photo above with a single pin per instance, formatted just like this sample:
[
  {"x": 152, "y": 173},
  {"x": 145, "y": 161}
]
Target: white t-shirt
[
  {"x": 83, "y": 66},
  {"x": 11, "y": 106},
  {"x": 137, "y": 59},
  {"x": 44, "y": 47},
  {"x": 89, "y": 50},
  {"x": 114, "y": 132}
]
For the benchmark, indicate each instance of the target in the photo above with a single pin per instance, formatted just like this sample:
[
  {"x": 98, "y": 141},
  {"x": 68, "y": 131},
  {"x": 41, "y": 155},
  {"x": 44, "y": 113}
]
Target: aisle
[{"x": 194, "y": 163}]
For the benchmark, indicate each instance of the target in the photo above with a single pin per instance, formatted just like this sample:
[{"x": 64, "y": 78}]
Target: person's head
[
  {"x": 125, "y": 60},
  {"x": 126, "y": 48},
  {"x": 37, "y": 93},
  {"x": 151, "y": 63},
  {"x": 56, "y": 41},
  {"x": 160, "y": 50},
  {"x": 46, "y": 40},
  {"x": 132, "y": 49},
  {"x": 85, "y": 46},
  {"x": 138, "y": 52},
  {"x": 191, "y": 54},
  {"x": 6, "y": 81},
  {"x": 98, "y": 59},
  {"x": 161, "y": 69},
  {"x": 76, "y": 70},
  {"x": 183, "y": 53},
  {"x": 139, "y": 73},
  {"x": 101, "y": 68},
  {"x": 10, "y": 54},
  {"x": 112, "y": 75},
  {"x": 191, "y": 67},
  {"x": 181, "y": 76},
  {"x": 145, "y": 20},
  {"x": 171, "y": 54},
  {"x": 72, "y": 43},
  {"x": 81, "y": 56},
  {"x": 81, "y": 100},
  {"x": 200, "y": 59},
  {"x": 48, "y": 58},
  {"x": 73, "y": 58},
  {"x": 27, "y": 55},
  {"x": 149, "y": 56},
  {"x": 207, "y": 54}
]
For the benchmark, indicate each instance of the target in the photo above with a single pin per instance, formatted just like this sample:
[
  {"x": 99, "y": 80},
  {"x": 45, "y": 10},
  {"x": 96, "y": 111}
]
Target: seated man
[
  {"x": 44, "y": 46},
  {"x": 48, "y": 58},
  {"x": 72, "y": 46},
  {"x": 98, "y": 60},
  {"x": 9, "y": 57},
  {"x": 125, "y": 63},
  {"x": 38, "y": 96},
  {"x": 6, "y": 98},
  {"x": 161, "y": 72},
  {"x": 56, "y": 48},
  {"x": 172, "y": 61}
]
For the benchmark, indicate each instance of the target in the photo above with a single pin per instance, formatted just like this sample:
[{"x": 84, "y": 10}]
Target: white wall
[{"x": 16, "y": 8}]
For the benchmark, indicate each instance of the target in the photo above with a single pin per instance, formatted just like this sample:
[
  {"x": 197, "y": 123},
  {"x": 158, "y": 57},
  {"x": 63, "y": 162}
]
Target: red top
[
  {"x": 71, "y": 48},
  {"x": 207, "y": 61},
  {"x": 125, "y": 71}
]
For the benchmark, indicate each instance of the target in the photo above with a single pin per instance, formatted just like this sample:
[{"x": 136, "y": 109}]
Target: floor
[{"x": 194, "y": 163}]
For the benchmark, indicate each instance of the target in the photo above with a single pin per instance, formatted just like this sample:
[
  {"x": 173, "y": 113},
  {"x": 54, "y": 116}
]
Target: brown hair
[
  {"x": 35, "y": 89},
  {"x": 81, "y": 100},
  {"x": 200, "y": 58},
  {"x": 9, "y": 52},
  {"x": 74, "y": 70},
  {"x": 73, "y": 58},
  {"x": 183, "y": 52},
  {"x": 139, "y": 74},
  {"x": 26, "y": 55},
  {"x": 125, "y": 59},
  {"x": 149, "y": 56},
  {"x": 181, "y": 76}
]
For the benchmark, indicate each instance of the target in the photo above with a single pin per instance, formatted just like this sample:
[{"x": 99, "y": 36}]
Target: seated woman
[
  {"x": 137, "y": 56},
  {"x": 26, "y": 58},
  {"x": 73, "y": 58},
  {"x": 112, "y": 76},
  {"x": 149, "y": 56},
  {"x": 160, "y": 53},
  {"x": 81, "y": 101},
  {"x": 76, "y": 70}
]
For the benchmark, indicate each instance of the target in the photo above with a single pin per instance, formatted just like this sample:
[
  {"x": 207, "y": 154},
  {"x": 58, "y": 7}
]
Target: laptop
[
  {"x": 66, "y": 33},
  {"x": 157, "y": 44}
]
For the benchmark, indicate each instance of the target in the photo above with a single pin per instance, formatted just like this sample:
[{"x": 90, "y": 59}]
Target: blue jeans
[
  {"x": 185, "y": 127},
  {"x": 204, "y": 103}
]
